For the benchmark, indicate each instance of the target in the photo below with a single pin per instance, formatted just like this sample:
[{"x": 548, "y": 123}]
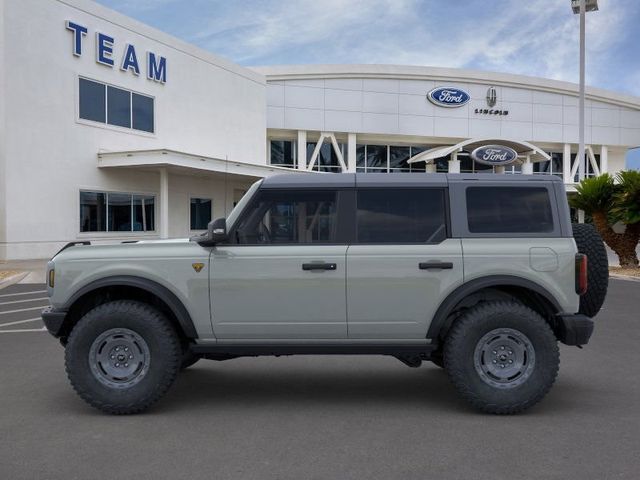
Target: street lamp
[{"x": 580, "y": 7}]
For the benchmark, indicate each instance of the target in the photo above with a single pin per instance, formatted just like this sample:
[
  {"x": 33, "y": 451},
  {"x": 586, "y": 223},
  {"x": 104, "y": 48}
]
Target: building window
[
  {"x": 116, "y": 212},
  {"x": 283, "y": 153},
  {"x": 327, "y": 160},
  {"x": 111, "y": 105},
  {"x": 401, "y": 216},
  {"x": 387, "y": 158},
  {"x": 200, "y": 213},
  {"x": 550, "y": 167}
]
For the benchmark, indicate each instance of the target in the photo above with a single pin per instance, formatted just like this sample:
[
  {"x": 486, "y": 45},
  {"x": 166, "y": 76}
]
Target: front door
[
  {"x": 284, "y": 274},
  {"x": 402, "y": 264}
]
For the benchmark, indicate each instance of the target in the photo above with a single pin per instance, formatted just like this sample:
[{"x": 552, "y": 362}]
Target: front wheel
[
  {"x": 122, "y": 356},
  {"x": 502, "y": 357}
]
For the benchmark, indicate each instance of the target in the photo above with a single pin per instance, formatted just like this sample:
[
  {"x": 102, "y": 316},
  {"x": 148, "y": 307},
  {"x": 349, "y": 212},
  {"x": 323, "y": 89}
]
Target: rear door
[
  {"x": 284, "y": 276},
  {"x": 402, "y": 263}
]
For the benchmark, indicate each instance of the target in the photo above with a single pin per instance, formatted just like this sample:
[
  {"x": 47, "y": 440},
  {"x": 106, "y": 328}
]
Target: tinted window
[
  {"x": 92, "y": 101},
  {"x": 282, "y": 217},
  {"x": 118, "y": 107},
  {"x": 401, "y": 216},
  {"x": 119, "y": 212},
  {"x": 283, "y": 153},
  {"x": 509, "y": 210},
  {"x": 200, "y": 213},
  {"x": 142, "y": 112},
  {"x": 143, "y": 213},
  {"x": 93, "y": 212}
]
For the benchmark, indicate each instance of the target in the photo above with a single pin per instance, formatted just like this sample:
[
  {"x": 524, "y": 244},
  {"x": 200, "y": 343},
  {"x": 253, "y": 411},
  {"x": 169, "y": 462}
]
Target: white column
[
  {"x": 164, "y": 203},
  {"x": 351, "y": 152},
  {"x": 499, "y": 169},
  {"x": 527, "y": 166},
  {"x": 604, "y": 159},
  {"x": 566, "y": 164},
  {"x": 302, "y": 150},
  {"x": 454, "y": 163},
  {"x": 580, "y": 216},
  {"x": 431, "y": 167}
]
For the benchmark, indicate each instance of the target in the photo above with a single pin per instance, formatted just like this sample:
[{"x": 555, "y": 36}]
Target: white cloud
[{"x": 530, "y": 37}]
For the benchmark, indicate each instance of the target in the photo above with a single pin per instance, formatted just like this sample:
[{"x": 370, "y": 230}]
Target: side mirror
[
  {"x": 217, "y": 230},
  {"x": 216, "y": 233}
]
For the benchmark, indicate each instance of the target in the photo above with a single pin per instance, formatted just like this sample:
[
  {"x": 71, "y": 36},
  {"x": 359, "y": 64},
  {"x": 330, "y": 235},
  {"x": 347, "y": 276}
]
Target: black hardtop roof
[{"x": 345, "y": 180}]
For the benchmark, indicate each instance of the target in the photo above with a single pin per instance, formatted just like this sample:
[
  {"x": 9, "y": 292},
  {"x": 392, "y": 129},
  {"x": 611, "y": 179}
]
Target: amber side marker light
[
  {"x": 581, "y": 274},
  {"x": 52, "y": 277}
]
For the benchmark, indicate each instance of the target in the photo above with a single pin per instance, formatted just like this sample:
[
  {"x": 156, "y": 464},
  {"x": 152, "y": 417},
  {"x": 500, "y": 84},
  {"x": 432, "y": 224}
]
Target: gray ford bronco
[{"x": 481, "y": 274}]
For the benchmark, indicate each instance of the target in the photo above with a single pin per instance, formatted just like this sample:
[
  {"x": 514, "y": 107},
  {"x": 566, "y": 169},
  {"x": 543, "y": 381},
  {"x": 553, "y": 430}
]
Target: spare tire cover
[{"x": 590, "y": 243}]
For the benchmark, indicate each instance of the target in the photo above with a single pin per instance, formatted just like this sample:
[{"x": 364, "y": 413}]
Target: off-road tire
[
  {"x": 164, "y": 350},
  {"x": 469, "y": 330},
  {"x": 589, "y": 242}
]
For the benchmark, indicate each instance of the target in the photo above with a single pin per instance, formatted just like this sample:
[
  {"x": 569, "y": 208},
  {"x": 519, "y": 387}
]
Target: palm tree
[{"x": 609, "y": 202}]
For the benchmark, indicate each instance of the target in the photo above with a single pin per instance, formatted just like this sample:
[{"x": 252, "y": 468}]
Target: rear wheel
[
  {"x": 122, "y": 356},
  {"x": 502, "y": 357}
]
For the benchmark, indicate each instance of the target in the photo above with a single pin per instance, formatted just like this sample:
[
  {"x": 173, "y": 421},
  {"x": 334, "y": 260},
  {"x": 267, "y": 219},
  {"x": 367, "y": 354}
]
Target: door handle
[
  {"x": 319, "y": 266},
  {"x": 435, "y": 265}
]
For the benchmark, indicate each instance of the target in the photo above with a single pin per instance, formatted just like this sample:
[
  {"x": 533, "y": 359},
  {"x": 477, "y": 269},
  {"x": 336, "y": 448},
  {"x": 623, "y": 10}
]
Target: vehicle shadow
[{"x": 213, "y": 385}]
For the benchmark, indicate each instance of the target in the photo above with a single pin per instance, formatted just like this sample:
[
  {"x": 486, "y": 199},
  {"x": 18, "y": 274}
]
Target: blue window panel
[
  {"x": 143, "y": 113},
  {"x": 92, "y": 101},
  {"x": 118, "y": 107}
]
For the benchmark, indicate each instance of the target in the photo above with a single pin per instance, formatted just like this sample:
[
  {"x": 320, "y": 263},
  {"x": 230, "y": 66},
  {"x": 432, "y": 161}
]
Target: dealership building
[{"x": 111, "y": 130}]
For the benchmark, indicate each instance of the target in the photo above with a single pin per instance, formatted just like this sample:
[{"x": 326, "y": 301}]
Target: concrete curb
[
  {"x": 13, "y": 279},
  {"x": 624, "y": 277}
]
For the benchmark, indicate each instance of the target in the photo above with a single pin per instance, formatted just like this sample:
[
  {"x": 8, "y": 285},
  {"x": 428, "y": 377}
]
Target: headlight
[{"x": 52, "y": 278}]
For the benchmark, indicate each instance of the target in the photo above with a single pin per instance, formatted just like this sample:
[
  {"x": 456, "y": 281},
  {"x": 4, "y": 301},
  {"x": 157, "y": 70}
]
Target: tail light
[{"x": 581, "y": 274}]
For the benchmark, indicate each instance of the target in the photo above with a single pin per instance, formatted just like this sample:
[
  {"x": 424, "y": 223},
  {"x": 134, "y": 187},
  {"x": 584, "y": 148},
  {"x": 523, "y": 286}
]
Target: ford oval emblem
[
  {"x": 448, "y": 97},
  {"x": 494, "y": 155}
]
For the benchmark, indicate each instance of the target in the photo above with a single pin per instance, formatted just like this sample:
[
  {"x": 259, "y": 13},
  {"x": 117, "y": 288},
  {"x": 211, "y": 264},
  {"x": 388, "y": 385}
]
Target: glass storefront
[{"x": 380, "y": 158}]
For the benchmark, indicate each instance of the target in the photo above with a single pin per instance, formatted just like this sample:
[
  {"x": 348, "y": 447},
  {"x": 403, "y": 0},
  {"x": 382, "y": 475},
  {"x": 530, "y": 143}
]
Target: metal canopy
[{"x": 523, "y": 148}]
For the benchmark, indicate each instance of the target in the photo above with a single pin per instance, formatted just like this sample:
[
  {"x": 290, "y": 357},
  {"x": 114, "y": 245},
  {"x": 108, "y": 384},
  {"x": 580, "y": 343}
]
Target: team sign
[{"x": 156, "y": 65}]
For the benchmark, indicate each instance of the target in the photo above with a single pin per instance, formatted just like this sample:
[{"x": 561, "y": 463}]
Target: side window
[
  {"x": 286, "y": 217},
  {"x": 509, "y": 210},
  {"x": 414, "y": 215}
]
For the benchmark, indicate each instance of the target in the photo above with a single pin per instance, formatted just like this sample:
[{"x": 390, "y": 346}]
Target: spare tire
[{"x": 589, "y": 242}]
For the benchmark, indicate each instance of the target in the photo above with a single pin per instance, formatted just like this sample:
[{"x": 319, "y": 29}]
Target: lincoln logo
[
  {"x": 494, "y": 155},
  {"x": 448, "y": 97},
  {"x": 492, "y": 97}
]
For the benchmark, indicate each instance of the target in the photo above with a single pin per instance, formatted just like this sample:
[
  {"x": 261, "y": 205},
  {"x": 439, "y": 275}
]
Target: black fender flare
[
  {"x": 163, "y": 293},
  {"x": 439, "y": 320}
]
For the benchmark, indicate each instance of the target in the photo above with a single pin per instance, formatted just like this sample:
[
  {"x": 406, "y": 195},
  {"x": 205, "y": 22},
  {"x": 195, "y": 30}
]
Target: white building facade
[{"x": 113, "y": 131}]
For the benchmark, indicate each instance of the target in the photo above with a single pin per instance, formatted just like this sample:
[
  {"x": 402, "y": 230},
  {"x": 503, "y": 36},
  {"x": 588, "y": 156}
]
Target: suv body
[{"x": 343, "y": 263}]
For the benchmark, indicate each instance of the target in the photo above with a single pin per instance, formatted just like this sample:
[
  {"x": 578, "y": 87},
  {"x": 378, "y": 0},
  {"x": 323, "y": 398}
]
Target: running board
[{"x": 256, "y": 350}]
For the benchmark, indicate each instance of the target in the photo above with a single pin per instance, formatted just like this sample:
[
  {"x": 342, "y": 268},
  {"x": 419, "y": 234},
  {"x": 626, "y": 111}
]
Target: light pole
[{"x": 580, "y": 7}]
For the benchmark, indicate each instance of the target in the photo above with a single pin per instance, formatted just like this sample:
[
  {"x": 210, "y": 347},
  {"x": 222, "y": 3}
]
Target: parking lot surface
[{"x": 321, "y": 417}]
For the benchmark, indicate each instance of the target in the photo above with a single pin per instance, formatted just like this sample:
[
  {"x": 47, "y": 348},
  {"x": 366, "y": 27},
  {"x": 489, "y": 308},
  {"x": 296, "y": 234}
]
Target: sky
[{"x": 529, "y": 37}]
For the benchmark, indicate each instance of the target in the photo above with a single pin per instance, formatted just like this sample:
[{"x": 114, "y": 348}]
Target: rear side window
[
  {"x": 290, "y": 217},
  {"x": 401, "y": 216},
  {"x": 509, "y": 210}
]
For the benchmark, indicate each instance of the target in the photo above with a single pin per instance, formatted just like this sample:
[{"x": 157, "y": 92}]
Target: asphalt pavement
[{"x": 321, "y": 417}]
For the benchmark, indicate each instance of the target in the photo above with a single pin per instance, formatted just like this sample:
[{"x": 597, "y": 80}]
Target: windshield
[{"x": 233, "y": 216}]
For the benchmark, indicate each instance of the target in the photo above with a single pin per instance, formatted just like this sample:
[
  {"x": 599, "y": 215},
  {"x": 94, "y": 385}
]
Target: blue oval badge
[
  {"x": 494, "y": 155},
  {"x": 448, "y": 96}
]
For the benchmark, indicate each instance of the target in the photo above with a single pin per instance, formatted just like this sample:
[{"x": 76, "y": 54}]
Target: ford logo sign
[
  {"x": 448, "y": 97},
  {"x": 494, "y": 155}
]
